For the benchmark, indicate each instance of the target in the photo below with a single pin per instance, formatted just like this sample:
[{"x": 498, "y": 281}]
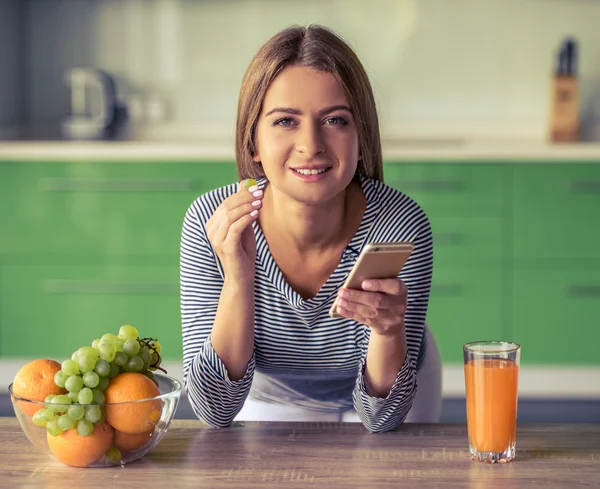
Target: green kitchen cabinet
[
  {"x": 441, "y": 189},
  {"x": 88, "y": 246},
  {"x": 466, "y": 205},
  {"x": 555, "y": 314},
  {"x": 95, "y": 208},
  {"x": 459, "y": 239},
  {"x": 466, "y": 304},
  {"x": 555, "y": 289},
  {"x": 556, "y": 209},
  {"x": 52, "y": 310}
]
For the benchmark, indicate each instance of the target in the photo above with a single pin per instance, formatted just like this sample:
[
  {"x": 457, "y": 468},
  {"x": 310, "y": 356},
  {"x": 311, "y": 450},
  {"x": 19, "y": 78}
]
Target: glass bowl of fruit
[{"x": 107, "y": 405}]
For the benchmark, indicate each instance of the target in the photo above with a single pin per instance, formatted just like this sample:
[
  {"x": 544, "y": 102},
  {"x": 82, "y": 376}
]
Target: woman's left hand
[{"x": 380, "y": 304}]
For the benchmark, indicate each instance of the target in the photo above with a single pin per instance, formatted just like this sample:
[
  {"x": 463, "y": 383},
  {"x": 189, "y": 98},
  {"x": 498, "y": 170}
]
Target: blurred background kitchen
[{"x": 116, "y": 114}]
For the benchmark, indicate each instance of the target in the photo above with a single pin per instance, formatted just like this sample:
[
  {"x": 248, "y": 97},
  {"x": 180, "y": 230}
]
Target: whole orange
[
  {"x": 75, "y": 450},
  {"x": 35, "y": 381},
  {"x": 132, "y": 417},
  {"x": 128, "y": 441}
]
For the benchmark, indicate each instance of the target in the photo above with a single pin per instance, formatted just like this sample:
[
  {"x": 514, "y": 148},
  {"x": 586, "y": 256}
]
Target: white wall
[
  {"x": 10, "y": 63},
  {"x": 433, "y": 63}
]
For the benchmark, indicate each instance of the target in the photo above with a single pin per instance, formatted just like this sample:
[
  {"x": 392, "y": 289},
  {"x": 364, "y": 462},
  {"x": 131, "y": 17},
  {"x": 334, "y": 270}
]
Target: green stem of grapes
[{"x": 156, "y": 365}]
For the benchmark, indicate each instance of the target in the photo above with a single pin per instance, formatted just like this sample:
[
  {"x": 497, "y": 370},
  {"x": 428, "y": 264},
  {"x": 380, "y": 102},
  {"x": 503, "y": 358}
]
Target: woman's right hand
[{"x": 231, "y": 235}]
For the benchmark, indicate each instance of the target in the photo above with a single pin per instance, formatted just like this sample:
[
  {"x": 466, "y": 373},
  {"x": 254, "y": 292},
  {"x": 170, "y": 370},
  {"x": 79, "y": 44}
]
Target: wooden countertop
[{"x": 323, "y": 455}]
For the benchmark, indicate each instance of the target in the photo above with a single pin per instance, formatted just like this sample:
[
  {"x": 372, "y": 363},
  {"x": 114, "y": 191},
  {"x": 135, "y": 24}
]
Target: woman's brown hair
[{"x": 321, "y": 49}]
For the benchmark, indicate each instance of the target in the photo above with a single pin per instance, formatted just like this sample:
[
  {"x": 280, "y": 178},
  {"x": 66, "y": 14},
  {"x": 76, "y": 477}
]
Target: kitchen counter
[
  {"x": 302, "y": 455},
  {"x": 222, "y": 149}
]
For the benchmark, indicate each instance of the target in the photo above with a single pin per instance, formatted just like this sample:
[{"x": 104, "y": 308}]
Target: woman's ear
[{"x": 255, "y": 153}]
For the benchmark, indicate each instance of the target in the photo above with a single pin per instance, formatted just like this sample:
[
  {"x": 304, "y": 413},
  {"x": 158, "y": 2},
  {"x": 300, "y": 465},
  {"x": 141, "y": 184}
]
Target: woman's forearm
[
  {"x": 232, "y": 335},
  {"x": 385, "y": 357}
]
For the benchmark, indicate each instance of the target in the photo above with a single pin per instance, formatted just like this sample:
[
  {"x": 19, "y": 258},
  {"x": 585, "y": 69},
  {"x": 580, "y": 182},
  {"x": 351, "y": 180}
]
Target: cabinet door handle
[
  {"x": 116, "y": 184},
  {"x": 585, "y": 291},
  {"x": 429, "y": 185},
  {"x": 448, "y": 238},
  {"x": 584, "y": 187},
  {"x": 99, "y": 287},
  {"x": 447, "y": 290}
]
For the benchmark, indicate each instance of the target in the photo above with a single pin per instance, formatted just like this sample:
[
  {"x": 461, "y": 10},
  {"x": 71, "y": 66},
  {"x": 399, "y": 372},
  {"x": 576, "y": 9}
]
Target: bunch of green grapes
[{"x": 87, "y": 374}]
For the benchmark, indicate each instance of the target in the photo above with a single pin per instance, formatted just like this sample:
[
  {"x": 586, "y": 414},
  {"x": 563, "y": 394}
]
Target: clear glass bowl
[{"x": 92, "y": 451}]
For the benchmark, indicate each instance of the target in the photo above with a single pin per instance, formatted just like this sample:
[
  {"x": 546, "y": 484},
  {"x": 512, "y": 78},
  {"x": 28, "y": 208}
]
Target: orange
[
  {"x": 35, "y": 381},
  {"x": 75, "y": 450},
  {"x": 128, "y": 441},
  {"x": 132, "y": 417}
]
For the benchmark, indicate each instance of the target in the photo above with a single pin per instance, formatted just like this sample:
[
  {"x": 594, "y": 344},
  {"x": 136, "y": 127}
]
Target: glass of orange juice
[{"x": 491, "y": 383}]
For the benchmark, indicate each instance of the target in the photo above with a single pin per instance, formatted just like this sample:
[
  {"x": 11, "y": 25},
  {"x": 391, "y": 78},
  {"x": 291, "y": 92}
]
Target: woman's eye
[
  {"x": 284, "y": 121},
  {"x": 337, "y": 121}
]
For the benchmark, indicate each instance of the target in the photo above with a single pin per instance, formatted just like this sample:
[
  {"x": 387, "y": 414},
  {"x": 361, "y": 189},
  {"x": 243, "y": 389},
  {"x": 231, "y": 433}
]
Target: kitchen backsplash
[{"x": 433, "y": 63}]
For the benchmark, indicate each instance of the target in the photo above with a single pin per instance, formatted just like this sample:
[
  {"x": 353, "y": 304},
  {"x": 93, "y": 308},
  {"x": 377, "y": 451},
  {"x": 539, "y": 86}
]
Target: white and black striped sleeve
[
  {"x": 385, "y": 414},
  {"x": 214, "y": 398}
]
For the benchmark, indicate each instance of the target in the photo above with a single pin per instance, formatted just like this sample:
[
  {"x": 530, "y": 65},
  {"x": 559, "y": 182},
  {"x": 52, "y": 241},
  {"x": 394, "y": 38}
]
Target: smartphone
[{"x": 376, "y": 261}]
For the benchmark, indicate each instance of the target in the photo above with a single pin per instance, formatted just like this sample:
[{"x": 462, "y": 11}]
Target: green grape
[
  {"x": 47, "y": 414},
  {"x": 75, "y": 356},
  {"x": 39, "y": 418},
  {"x": 128, "y": 332},
  {"x": 53, "y": 428},
  {"x": 76, "y": 412},
  {"x": 65, "y": 422},
  {"x": 70, "y": 367},
  {"x": 146, "y": 358},
  {"x": 102, "y": 419},
  {"x": 248, "y": 182},
  {"x": 55, "y": 408},
  {"x": 121, "y": 358},
  {"x": 86, "y": 363},
  {"x": 135, "y": 364},
  {"x": 113, "y": 455},
  {"x": 61, "y": 399},
  {"x": 74, "y": 396},
  {"x": 155, "y": 345},
  {"x": 109, "y": 337},
  {"x": 114, "y": 371},
  {"x": 84, "y": 427},
  {"x": 119, "y": 343},
  {"x": 49, "y": 399},
  {"x": 154, "y": 358},
  {"x": 93, "y": 413},
  {"x": 57, "y": 405},
  {"x": 86, "y": 396},
  {"x": 144, "y": 348},
  {"x": 95, "y": 343},
  {"x": 74, "y": 383},
  {"x": 131, "y": 347},
  {"x": 98, "y": 396},
  {"x": 91, "y": 379},
  {"x": 102, "y": 368},
  {"x": 88, "y": 351},
  {"x": 107, "y": 350},
  {"x": 103, "y": 384},
  {"x": 60, "y": 378}
]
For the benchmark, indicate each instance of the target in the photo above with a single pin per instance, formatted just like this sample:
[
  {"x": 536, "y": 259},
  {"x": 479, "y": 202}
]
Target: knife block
[{"x": 564, "y": 109}]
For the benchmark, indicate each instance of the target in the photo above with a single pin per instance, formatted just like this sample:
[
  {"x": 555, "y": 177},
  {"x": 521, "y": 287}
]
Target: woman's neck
[{"x": 313, "y": 228}]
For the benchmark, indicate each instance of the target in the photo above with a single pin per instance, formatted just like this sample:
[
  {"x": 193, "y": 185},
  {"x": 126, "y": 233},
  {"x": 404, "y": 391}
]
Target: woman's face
[{"x": 306, "y": 136}]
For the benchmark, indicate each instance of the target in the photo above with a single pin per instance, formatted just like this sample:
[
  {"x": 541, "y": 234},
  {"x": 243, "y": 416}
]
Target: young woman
[{"x": 261, "y": 266}]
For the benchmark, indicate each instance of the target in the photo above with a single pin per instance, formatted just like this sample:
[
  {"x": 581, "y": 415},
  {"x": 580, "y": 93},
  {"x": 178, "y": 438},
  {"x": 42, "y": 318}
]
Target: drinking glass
[{"x": 491, "y": 383}]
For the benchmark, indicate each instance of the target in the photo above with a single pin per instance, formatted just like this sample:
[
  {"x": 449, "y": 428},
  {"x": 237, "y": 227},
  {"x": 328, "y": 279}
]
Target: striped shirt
[{"x": 301, "y": 356}]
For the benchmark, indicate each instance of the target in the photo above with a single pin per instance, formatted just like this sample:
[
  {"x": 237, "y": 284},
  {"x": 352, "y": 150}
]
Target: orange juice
[{"x": 491, "y": 388}]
